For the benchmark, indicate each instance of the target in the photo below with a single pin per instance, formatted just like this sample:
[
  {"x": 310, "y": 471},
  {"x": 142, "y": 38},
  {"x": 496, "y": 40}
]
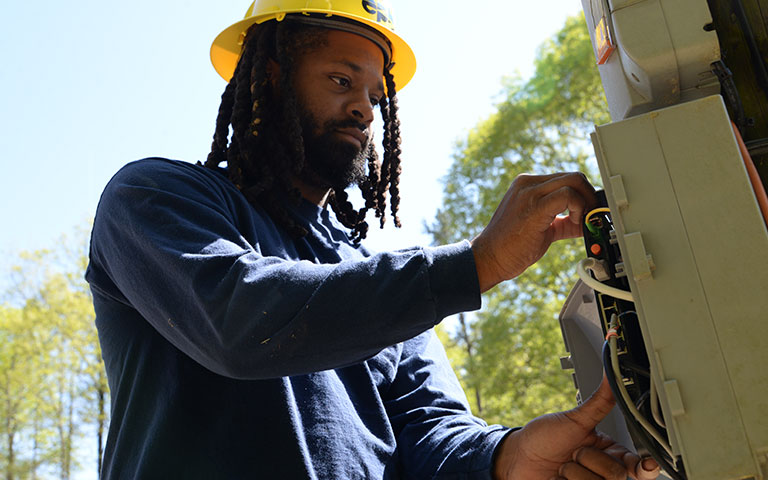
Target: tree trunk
[
  {"x": 35, "y": 446},
  {"x": 64, "y": 429},
  {"x": 70, "y": 433},
  {"x": 9, "y": 431},
  {"x": 11, "y": 455}
]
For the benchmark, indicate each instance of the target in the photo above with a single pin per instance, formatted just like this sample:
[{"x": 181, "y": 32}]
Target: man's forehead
[{"x": 353, "y": 51}]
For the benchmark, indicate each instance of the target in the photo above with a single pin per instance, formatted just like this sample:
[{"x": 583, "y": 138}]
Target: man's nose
[{"x": 362, "y": 110}]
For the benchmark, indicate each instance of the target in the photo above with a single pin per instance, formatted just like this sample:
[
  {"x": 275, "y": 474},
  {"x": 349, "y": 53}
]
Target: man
[{"x": 247, "y": 334}]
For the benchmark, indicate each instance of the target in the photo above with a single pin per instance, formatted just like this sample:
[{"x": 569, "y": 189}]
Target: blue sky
[{"x": 88, "y": 86}]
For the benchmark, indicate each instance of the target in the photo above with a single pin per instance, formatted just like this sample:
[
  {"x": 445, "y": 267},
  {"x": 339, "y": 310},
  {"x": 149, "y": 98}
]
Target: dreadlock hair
[{"x": 266, "y": 146}]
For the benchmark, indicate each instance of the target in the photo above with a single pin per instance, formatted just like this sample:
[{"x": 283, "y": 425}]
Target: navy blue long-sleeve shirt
[{"x": 234, "y": 350}]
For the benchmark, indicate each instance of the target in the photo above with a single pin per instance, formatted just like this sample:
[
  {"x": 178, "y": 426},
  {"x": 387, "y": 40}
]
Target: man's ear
[{"x": 273, "y": 73}]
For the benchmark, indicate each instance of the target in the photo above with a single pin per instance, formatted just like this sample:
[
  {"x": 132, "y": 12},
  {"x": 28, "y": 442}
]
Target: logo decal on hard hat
[{"x": 382, "y": 12}]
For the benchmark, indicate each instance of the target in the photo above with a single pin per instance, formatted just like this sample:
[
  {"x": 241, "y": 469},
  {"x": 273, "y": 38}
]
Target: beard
[{"x": 331, "y": 162}]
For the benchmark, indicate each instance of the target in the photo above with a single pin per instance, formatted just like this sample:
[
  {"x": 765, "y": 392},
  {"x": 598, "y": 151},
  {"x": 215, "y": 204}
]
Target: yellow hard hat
[{"x": 338, "y": 14}]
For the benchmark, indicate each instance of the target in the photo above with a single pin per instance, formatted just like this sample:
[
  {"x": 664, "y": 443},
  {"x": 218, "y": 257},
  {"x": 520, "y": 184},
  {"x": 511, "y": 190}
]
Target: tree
[
  {"x": 52, "y": 382},
  {"x": 16, "y": 374},
  {"x": 511, "y": 348}
]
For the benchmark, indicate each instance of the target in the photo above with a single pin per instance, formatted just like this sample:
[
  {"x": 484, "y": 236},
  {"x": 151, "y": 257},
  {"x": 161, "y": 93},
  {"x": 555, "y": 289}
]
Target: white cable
[
  {"x": 613, "y": 343},
  {"x": 581, "y": 269}
]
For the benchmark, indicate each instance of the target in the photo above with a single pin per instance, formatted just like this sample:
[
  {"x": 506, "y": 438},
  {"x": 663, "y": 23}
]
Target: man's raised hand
[{"x": 526, "y": 222}]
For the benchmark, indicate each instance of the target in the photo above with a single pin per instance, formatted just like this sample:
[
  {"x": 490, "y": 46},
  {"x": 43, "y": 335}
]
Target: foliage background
[
  {"x": 507, "y": 355},
  {"x": 53, "y": 389}
]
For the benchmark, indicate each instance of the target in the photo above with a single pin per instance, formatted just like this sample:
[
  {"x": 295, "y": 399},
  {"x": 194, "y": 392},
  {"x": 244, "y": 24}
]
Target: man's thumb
[{"x": 597, "y": 406}]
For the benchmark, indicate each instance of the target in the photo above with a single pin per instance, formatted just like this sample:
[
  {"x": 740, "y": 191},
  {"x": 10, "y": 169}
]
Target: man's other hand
[
  {"x": 565, "y": 445},
  {"x": 526, "y": 222}
]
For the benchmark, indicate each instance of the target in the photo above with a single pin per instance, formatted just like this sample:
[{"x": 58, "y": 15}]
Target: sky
[{"x": 88, "y": 86}]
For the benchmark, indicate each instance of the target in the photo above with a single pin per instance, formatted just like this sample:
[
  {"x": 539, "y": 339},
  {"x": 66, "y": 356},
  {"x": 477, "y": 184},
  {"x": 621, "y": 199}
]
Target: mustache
[{"x": 350, "y": 123}]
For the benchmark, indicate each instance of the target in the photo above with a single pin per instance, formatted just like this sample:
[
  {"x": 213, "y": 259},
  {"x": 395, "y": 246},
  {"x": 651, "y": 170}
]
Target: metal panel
[
  {"x": 703, "y": 308},
  {"x": 663, "y": 53}
]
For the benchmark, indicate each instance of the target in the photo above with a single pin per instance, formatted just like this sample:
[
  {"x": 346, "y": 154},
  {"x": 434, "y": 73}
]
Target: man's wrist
[
  {"x": 484, "y": 277},
  {"x": 504, "y": 455}
]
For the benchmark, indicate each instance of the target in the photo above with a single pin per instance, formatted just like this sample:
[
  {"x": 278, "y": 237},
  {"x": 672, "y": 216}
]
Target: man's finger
[
  {"x": 562, "y": 199},
  {"x": 575, "y": 470},
  {"x": 564, "y": 227},
  {"x": 575, "y": 180},
  {"x": 647, "y": 469},
  {"x": 599, "y": 462},
  {"x": 597, "y": 406}
]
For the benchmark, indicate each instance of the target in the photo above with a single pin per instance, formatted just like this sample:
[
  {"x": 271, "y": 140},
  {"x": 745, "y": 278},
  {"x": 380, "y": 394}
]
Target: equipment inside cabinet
[{"x": 677, "y": 253}]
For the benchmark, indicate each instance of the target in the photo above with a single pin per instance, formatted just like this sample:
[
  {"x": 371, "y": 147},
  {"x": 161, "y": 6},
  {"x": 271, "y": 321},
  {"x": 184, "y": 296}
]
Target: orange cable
[
  {"x": 611, "y": 333},
  {"x": 754, "y": 177}
]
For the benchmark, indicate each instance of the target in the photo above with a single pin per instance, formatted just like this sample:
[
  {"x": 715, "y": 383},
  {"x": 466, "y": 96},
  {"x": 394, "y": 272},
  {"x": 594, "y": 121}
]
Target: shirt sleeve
[
  {"x": 167, "y": 243},
  {"x": 437, "y": 435}
]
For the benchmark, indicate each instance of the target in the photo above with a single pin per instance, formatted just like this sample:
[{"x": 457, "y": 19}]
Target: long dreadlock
[{"x": 266, "y": 147}]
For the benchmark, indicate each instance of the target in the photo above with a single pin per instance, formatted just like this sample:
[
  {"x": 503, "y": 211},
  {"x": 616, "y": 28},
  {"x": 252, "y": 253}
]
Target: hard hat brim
[{"x": 226, "y": 48}]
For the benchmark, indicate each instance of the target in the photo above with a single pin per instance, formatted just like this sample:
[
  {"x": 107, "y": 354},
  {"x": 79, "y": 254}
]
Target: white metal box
[{"x": 695, "y": 248}]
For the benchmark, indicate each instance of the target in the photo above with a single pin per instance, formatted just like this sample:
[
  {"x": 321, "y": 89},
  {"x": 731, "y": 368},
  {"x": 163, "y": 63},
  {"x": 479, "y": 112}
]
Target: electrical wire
[
  {"x": 634, "y": 428},
  {"x": 754, "y": 177},
  {"x": 635, "y": 420},
  {"x": 597, "y": 210},
  {"x": 631, "y": 406},
  {"x": 757, "y": 147},
  {"x": 588, "y": 263},
  {"x": 636, "y": 368},
  {"x": 758, "y": 64},
  {"x": 613, "y": 344},
  {"x": 640, "y": 402},
  {"x": 730, "y": 93}
]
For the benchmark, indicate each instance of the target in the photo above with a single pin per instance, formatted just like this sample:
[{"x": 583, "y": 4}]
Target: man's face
[{"x": 337, "y": 86}]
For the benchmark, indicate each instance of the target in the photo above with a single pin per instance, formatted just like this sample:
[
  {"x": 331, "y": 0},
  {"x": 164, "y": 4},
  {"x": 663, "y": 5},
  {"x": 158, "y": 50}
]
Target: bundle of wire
[
  {"x": 639, "y": 427},
  {"x": 590, "y": 263}
]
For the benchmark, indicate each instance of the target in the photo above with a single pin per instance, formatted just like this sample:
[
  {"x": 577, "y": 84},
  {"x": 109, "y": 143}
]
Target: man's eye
[{"x": 341, "y": 81}]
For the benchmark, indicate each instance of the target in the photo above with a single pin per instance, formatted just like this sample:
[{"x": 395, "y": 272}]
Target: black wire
[
  {"x": 635, "y": 429},
  {"x": 758, "y": 147},
  {"x": 731, "y": 94},
  {"x": 644, "y": 407},
  {"x": 757, "y": 60},
  {"x": 640, "y": 402},
  {"x": 636, "y": 368}
]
